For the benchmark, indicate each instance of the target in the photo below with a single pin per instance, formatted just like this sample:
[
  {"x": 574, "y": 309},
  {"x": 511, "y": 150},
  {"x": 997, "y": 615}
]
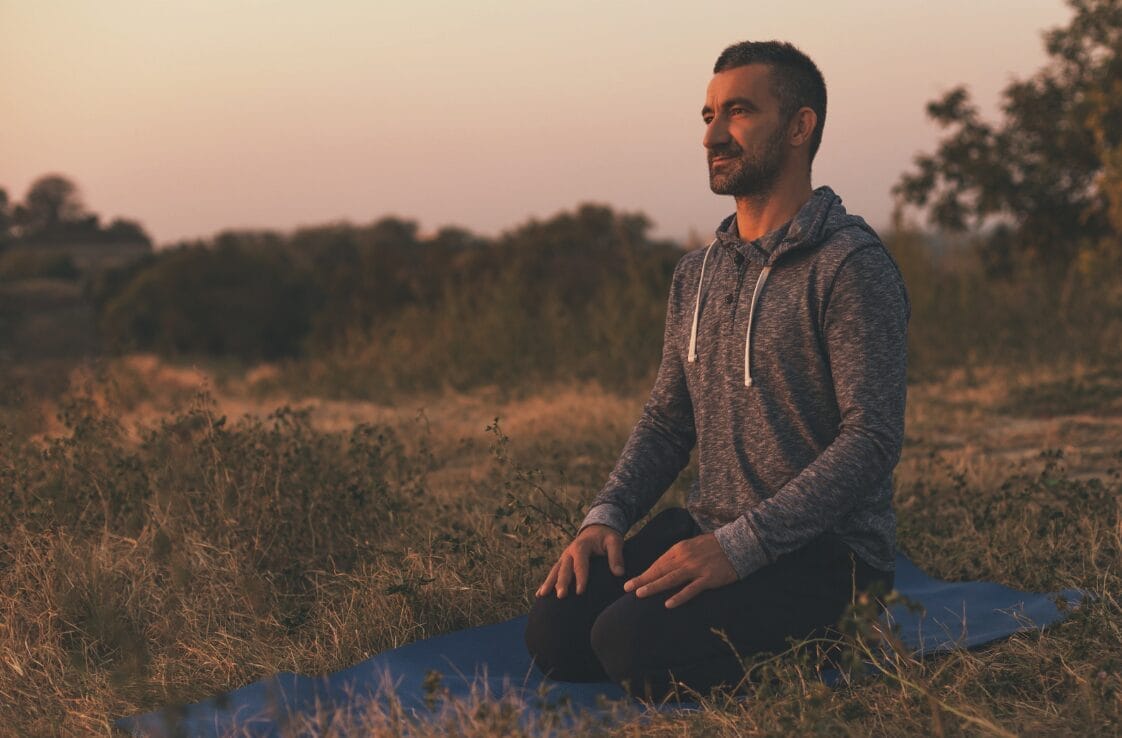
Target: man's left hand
[{"x": 699, "y": 563}]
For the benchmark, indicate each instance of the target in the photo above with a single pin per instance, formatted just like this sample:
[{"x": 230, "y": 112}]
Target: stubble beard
[{"x": 750, "y": 175}]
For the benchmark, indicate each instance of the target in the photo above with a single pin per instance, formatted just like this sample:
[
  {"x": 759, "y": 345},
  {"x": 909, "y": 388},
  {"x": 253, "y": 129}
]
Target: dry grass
[{"x": 157, "y": 553}]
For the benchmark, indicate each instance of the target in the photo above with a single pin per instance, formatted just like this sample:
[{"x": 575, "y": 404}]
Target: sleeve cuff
[
  {"x": 742, "y": 546},
  {"x": 606, "y": 514}
]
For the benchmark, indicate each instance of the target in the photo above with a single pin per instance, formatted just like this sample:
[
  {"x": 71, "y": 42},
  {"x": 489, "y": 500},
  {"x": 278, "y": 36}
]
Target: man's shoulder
[
  {"x": 857, "y": 251},
  {"x": 847, "y": 237},
  {"x": 853, "y": 242}
]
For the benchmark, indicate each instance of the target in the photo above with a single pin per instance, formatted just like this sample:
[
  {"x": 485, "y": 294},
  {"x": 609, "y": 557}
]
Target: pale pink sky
[{"x": 196, "y": 116}]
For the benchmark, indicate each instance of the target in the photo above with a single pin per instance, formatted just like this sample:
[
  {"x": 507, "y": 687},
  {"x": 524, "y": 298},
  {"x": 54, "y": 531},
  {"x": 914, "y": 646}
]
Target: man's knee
[
  {"x": 545, "y": 637},
  {"x": 654, "y": 652},
  {"x": 617, "y": 643},
  {"x": 557, "y": 639}
]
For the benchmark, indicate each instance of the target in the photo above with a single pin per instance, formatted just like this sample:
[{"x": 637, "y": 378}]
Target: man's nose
[{"x": 716, "y": 133}]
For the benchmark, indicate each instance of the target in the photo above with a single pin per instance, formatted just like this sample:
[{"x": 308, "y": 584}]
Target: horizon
[{"x": 201, "y": 118}]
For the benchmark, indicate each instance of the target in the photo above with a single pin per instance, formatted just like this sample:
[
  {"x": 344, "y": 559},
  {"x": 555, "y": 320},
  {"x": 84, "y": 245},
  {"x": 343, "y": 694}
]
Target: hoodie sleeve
[
  {"x": 865, "y": 338},
  {"x": 659, "y": 446}
]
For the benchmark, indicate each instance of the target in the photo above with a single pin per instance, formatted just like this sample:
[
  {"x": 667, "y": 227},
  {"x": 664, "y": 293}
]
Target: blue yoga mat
[{"x": 492, "y": 660}]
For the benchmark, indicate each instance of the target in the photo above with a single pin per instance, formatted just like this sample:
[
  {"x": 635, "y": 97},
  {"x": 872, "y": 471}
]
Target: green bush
[{"x": 246, "y": 301}]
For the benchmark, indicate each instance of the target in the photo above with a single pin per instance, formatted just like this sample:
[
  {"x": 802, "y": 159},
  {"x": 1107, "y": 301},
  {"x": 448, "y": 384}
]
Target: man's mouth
[{"x": 721, "y": 158}]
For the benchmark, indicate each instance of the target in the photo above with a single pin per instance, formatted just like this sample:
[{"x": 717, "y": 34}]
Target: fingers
[
  {"x": 661, "y": 566},
  {"x": 686, "y": 565},
  {"x": 673, "y": 569},
  {"x": 572, "y": 568},
  {"x": 649, "y": 575},
  {"x": 565, "y": 575},
  {"x": 687, "y": 593},
  {"x": 580, "y": 569},
  {"x": 550, "y": 580},
  {"x": 667, "y": 581},
  {"x": 615, "y": 555}
]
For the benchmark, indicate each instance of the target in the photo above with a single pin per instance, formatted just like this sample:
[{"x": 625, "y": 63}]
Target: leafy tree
[
  {"x": 52, "y": 211},
  {"x": 52, "y": 201},
  {"x": 1049, "y": 175}
]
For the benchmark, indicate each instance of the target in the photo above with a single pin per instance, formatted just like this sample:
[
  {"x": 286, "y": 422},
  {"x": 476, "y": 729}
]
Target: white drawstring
[
  {"x": 692, "y": 355},
  {"x": 748, "y": 336}
]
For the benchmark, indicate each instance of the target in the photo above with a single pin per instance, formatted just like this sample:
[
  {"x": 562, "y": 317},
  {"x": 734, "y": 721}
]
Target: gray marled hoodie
[{"x": 785, "y": 363}]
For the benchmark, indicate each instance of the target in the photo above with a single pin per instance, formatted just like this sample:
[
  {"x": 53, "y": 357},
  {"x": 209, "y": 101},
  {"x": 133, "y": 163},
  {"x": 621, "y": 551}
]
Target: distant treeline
[{"x": 377, "y": 309}]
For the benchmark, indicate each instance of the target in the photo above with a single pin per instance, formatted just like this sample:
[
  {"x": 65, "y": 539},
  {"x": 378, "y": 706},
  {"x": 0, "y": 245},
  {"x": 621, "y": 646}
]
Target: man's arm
[
  {"x": 656, "y": 451},
  {"x": 866, "y": 340},
  {"x": 659, "y": 446}
]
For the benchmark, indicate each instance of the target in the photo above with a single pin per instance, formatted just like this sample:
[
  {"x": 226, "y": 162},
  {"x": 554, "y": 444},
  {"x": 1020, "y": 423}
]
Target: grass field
[{"x": 172, "y": 533}]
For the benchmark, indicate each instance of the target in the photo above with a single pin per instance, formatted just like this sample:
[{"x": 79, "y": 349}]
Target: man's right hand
[{"x": 595, "y": 540}]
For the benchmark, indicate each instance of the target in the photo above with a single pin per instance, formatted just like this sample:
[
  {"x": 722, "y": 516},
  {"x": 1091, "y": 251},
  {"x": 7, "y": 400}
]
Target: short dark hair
[{"x": 795, "y": 80}]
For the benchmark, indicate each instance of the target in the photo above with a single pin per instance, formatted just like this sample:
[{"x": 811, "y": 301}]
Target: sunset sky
[{"x": 197, "y": 116}]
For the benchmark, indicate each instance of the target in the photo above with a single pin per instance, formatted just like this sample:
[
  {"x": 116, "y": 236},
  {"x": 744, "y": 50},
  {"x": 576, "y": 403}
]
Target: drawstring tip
[{"x": 748, "y": 382}]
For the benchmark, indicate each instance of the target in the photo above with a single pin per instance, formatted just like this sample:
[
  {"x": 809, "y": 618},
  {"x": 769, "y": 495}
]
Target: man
[{"x": 784, "y": 361}]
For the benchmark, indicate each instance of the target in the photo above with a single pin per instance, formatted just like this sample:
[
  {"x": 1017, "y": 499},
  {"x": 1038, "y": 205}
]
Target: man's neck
[{"x": 757, "y": 215}]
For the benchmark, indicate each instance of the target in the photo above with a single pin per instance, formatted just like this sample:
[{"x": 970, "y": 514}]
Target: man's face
[{"x": 745, "y": 135}]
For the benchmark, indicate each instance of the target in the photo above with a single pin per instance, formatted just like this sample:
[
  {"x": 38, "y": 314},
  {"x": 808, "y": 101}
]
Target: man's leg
[
  {"x": 646, "y": 646},
  {"x": 558, "y": 630}
]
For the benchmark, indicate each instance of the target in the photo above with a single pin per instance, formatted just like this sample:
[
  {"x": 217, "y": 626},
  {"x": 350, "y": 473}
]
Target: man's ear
[{"x": 802, "y": 126}]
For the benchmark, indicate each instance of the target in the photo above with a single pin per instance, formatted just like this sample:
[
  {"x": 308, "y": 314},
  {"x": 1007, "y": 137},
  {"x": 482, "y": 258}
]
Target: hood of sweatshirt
[{"x": 819, "y": 218}]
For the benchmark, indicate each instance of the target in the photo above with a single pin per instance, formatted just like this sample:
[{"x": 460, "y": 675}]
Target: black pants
[{"x": 605, "y": 633}]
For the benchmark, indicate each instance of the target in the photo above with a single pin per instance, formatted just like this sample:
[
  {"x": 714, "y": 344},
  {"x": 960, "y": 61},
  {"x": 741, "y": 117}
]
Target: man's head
[{"x": 767, "y": 101}]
